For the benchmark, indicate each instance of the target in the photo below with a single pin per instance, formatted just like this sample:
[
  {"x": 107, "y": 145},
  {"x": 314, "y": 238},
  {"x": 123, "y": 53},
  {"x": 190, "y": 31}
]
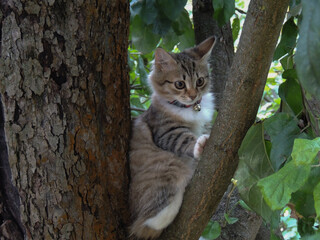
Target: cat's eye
[
  {"x": 179, "y": 84},
  {"x": 200, "y": 82}
]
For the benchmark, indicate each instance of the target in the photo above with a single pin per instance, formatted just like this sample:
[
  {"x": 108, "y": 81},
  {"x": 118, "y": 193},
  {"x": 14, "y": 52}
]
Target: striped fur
[{"x": 167, "y": 139}]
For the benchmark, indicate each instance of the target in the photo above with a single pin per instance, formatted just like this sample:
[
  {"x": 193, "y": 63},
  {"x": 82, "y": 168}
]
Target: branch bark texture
[
  {"x": 244, "y": 88},
  {"x": 65, "y": 86},
  {"x": 10, "y": 221},
  {"x": 223, "y": 52}
]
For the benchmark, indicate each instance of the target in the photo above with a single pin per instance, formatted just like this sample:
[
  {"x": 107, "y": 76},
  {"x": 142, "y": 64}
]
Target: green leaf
[
  {"x": 244, "y": 205},
  {"x": 235, "y": 28},
  {"x": 287, "y": 61},
  {"x": 229, "y": 9},
  {"x": 230, "y": 220},
  {"x": 304, "y": 151},
  {"x": 254, "y": 164},
  {"x": 171, "y": 9},
  {"x": 186, "y": 40},
  {"x": 142, "y": 36},
  {"x": 316, "y": 195},
  {"x": 303, "y": 199},
  {"x": 212, "y": 230},
  {"x": 135, "y": 102},
  {"x": 135, "y": 7},
  {"x": 311, "y": 237},
  {"x": 274, "y": 236},
  {"x": 290, "y": 74},
  {"x": 223, "y": 10},
  {"x": 169, "y": 40},
  {"x": 161, "y": 25},
  {"x": 278, "y": 187},
  {"x": 148, "y": 11},
  {"x": 282, "y": 129},
  {"x": 142, "y": 72},
  {"x": 290, "y": 94},
  {"x": 305, "y": 227},
  {"x": 308, "y": 49},
  {"x": 182, "y": 24},
  {"x": 288, "y": 39}
]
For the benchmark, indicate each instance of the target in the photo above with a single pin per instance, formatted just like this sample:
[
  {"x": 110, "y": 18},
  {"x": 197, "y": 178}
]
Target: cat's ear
[
  {"x": 203, "y": 50},
  {"x": 163, "y": 61}
]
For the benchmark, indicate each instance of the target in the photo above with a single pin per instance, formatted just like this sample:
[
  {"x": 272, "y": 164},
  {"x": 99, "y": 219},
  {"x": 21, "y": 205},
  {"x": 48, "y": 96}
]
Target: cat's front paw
[{"x": 198, "y": 147}]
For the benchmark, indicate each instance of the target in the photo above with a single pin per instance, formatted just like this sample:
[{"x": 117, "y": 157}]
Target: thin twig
[
  {"x": 241, "y": 11},
  {"x": 138, "y": 109}
]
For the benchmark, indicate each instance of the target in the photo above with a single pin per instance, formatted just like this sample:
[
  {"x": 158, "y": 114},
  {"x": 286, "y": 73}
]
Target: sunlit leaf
[
  {"x": 305, "y": 150},
  {"x": 278, "y": 187},
  {"x": 235, "y": 28},
  {"x": 316, "y": 195},
  {"x": 254, "y": 164}
]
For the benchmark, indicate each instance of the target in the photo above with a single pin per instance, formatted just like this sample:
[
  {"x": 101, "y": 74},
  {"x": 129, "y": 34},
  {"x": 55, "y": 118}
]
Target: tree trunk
[
  {"x": 223, "y": 52},
  {"x": 241, "y": 99},
  {"x": 65, "y": 87},
  {"x": 10, "y": 224},
  {"x": 220, "y": 62}
]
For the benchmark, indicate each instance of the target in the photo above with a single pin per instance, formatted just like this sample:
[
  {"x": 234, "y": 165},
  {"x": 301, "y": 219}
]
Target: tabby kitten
[{"x": 168, "y": 138}]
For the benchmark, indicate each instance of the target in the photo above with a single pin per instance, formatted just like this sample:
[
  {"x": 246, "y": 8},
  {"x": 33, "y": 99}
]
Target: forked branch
[{"x": 243, "y": 92}]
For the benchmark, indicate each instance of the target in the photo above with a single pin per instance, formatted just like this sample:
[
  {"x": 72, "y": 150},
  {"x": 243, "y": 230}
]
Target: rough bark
[
  {"x": 242, "y": 95},
  {"x": 64, "y": 81},
  {"x": 221, "y": 59},
  {"x": 223, "y": 52},
  {"x": 10, "y": 223}
]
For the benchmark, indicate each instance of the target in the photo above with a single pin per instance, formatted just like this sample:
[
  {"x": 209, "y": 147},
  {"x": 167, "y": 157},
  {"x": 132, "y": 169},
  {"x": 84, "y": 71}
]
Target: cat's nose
[{"x": 192, "y": 97}]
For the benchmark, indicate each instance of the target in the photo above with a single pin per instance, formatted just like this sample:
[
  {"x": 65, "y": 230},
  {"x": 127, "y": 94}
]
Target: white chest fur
[{"x": 197, "y": 118}]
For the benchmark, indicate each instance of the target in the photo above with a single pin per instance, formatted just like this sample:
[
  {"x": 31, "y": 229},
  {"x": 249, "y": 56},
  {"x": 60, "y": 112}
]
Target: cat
[{"x": 168, "y": 138}]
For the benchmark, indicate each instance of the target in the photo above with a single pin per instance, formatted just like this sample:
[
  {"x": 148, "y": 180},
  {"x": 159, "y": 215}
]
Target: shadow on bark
[{"x": 10, "y": 223}]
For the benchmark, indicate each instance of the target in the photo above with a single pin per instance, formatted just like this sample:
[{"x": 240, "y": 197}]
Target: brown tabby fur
[{"x": 163, "y": 144}]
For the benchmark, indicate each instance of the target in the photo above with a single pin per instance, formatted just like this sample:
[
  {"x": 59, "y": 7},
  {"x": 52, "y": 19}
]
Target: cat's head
[{"x": 184, "y": 76}]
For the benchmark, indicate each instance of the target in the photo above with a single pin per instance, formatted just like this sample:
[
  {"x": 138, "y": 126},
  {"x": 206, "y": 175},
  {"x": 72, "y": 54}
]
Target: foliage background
[{"x": 278, "y": 176}]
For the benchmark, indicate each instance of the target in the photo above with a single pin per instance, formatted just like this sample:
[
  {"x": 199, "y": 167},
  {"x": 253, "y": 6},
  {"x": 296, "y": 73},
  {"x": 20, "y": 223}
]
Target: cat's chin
[{"x": 190, "y": 102}]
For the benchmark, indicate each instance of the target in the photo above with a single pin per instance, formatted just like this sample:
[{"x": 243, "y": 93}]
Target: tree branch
[
  {"x": 243, "y": 92},
  {"x": 222, "y": 54}
]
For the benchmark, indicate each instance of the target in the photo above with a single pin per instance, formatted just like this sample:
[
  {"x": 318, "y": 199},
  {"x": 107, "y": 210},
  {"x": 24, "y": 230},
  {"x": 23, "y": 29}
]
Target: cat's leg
[
  {"x": 160, "y": 194},
  {"x": 198, "y": 147},
  {"x": 166, "y": 215},
  {"x": 163, "y": 207}
]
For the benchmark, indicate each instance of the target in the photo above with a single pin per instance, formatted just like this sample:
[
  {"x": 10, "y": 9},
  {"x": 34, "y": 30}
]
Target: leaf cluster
[
  {"x": 280, "y": 156},
  {"x": 155, "y": 20}
]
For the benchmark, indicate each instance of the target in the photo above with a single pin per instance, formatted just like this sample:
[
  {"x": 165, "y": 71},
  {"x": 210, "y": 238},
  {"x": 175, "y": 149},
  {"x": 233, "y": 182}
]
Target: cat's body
[{"x": 167, "y": 139}]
